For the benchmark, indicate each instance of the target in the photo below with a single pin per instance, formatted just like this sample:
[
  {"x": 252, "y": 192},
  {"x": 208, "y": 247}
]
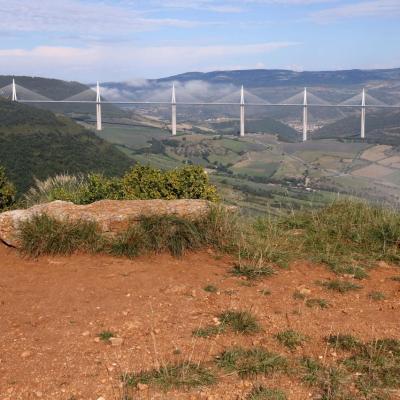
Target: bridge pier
[
  {"x": 14, "y": 92},
  {"x": 173, "y": 107},
  {"x": 99, "y": 126},
  {"x": 363, "y": 115},
  {"x": 242, "y": 113},
  {"x": 305, "y": 116}
]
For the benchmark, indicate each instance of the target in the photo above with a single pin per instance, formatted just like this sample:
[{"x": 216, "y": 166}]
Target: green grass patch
[
  {"x": 105, "y": 336},
  {"x": 251, "y": 362},
  {"x": 240, "y": 322},
  {"x": 344, "y": 342},
  {"x": 263, "y": 393},
  {"x": 340, "y": 286},
  {"x": 209, "y": 331},
  {"x": 291, "y": 339},
  {"x": 376, "y": 296},
  {"x": 252, "y": 272},
  {"x": 45, "y": 235},
  {"x": 173, "y": 376},
  {"x": 321, "y": 303},
  {"x": 377, "y": 365}
]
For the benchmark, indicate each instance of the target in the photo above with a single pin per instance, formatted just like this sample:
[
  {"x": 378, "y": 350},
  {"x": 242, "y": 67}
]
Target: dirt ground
[{"x": 53, "y": 309}]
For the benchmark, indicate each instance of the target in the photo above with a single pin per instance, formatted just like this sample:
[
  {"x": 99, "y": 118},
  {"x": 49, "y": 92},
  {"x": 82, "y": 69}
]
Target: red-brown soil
[{"x": 52, "y": 310}]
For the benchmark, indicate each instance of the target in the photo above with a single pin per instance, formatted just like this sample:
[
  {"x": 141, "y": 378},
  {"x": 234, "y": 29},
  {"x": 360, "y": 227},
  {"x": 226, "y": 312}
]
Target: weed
[
  {"x": 297, "y": 295},
  {"x": 239, "y": 321},
  {"x": 262, "y": 393},
  {"x": 46, "y": 235},
  {"x": 376, "y": 296},
  {"x": 105, "y": 336},
  {"x": 291, "y": 339},
  {"x": 183, "y": 375},
  {"x": 208, "y": 331},
  {"x": 250, "y": 362},
  {"x": 252, "y": 272},
  {"x": 129, "y": 244},
  {"x": 377, "y": 365},
  {"x": 344, "y": 342},
  {"x": 170, "y": 233},
  {"x": 340, "y": 286},
  {"x": 210, "y": 289},
  {"x": 321, "y": 303}
]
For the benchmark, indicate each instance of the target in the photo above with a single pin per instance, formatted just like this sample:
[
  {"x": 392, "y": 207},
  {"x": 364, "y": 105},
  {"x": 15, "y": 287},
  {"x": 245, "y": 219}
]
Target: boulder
[{"x": 112, "y": 216}]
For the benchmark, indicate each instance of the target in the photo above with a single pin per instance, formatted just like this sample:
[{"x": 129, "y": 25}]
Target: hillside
[
  {"x": 37, "y": 143},
  {"x": 382, "y": 127},
  {"x": 265, "y": 77}
]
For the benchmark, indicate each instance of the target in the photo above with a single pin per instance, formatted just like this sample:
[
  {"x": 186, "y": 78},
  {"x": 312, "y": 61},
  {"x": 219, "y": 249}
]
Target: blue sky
[{"x": 115, "y": 40}]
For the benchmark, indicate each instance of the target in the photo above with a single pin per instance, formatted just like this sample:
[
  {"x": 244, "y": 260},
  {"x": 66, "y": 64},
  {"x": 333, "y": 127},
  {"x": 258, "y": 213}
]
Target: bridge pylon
[
  {"x": 305, "y": 116},
  {"x": 173, "y": 111},
  {"x": 99, "y": 125},
  {"x": 14, "y": 91},
  {"x": 242, "y": 113},
  {"x": 363, "y": 114}
]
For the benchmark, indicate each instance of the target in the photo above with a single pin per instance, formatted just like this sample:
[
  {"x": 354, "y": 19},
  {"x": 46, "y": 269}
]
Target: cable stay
[{"x": 86, "y": 95}]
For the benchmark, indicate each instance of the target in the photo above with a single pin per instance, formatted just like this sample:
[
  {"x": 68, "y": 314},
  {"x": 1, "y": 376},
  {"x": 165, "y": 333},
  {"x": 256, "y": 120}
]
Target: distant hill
[
  {"x": 278, "y": 77},
  {"x": 381, "y": 127},
  {"x": 38, "y": 143},
  {"x": 265, "y": 125}
]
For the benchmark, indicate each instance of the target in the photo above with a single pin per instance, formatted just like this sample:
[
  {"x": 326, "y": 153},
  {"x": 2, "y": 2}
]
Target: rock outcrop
[{"x": 112, "y": 216}]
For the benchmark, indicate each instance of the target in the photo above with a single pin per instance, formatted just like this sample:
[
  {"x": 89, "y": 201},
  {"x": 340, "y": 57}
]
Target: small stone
[
  {"x": 38, "y": 394},
  {"x": 142, "y": 386},
  {"x": 116, "y": 341},
  {"x": 156, "y": 331},
  {"x": 86, "y": 333},
  {"x": 101, "y": 398},
  {"x": 26, "y": 354},
  {"x": 97, "y": 339}
]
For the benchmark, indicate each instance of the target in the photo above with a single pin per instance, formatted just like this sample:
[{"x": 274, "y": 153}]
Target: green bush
[
  {"x": 139, "y": 183},
  {"x": 7, "y": 191}
]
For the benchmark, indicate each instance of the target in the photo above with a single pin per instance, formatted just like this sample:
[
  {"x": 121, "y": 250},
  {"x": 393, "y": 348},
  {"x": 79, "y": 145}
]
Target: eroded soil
[{"x": 52, "y": 310}]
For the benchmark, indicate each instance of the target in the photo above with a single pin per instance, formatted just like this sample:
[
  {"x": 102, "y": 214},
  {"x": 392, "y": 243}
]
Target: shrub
[
  {"x": 139, "y": 183},
  {"x": 7, "y": 191},
  {"x": 239, "y": 321},
  {"x": 60, "y": 187}
]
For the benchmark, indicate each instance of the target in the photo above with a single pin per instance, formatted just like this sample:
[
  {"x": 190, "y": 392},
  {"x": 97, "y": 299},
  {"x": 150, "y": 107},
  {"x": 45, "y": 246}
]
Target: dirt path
[{"x": 53, "y": 309}]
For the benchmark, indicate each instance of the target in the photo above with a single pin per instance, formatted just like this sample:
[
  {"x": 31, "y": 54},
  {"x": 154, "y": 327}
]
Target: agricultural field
[{"x": 245, "y": 168}]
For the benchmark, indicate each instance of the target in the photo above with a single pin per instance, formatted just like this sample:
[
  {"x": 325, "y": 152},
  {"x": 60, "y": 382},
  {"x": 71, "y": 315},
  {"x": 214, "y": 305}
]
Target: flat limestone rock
[{"x": 112, "y": 216}]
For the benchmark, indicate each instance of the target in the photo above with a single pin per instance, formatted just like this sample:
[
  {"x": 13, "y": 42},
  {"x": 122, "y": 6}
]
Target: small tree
[{"x": 7, "y": 191}]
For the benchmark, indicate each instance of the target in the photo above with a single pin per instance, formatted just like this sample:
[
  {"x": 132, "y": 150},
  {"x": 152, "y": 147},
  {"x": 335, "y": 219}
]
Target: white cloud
[
  {"x": 371, "y": 8},
  {"x": 119, "y": 62},
  {"x": 80, "y": 18}
]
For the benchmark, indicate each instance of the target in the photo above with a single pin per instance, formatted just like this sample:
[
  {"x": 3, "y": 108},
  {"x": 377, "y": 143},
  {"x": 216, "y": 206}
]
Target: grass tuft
[
  {"x": 45, "y": 235},
  {"x": 340, "y": 286},
  {"x": 240, "y": 321},
  {"x": 210, "y": 289},
  {"x": 291, "y": 339},
  {"x": 321, "y": 303},
  {"x": 252, "y": 272},
  {"x": 105, "y": 336},
  {"x": 262, "y": 393},
  {"x": 250, "y": 362},
  {"x": 208, "y": 331},
  {"x": 344, "y": 342},
  {"x": 173, "y": 376},
  {"x": 376, "y": 296}
]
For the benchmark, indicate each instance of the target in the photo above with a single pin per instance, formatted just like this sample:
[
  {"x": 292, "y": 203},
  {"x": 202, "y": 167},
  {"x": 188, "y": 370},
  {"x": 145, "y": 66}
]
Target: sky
[{"x": 120, "y": 40}]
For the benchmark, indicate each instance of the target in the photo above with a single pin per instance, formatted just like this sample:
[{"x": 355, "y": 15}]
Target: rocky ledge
[{"x": 112, "y": 216}]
